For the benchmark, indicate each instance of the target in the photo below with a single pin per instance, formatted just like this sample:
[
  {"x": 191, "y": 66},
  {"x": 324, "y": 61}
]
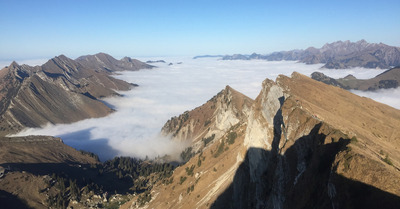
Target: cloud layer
[
  {"x": 167, "y": 91},
  {"x": 386, "y": 96}
]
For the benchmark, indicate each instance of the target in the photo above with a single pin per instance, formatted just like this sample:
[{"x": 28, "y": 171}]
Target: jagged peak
[
  {"x": 297, "y": 75},
  {"x": 229, "y": 88},
  {"x": 60, "y": 58},
  {"x": 100, "y": 55},
  {"x": 281, "y": 80},
  {"x": 268, "y": 82},
  {"x": 104, "y": 55},
  {"x": 362, "y": 41},
  {"x": 233, "y": 94},
  {"x": 60, "y": 64},
  {"x": 285, "y": 81},
  {"x": 131, "y": 60},
  {"x": 83, "y": 57},
  {"x": 14, "y": 64},
  {"x": 311, "y": 48},
  {"x": 350, "y": 76},
  {"x": 328, "y": 45},
  {"x": 218, "y": 114},
  {"x": 127, "y": 59},
  {"x": 266, "y": 85}
]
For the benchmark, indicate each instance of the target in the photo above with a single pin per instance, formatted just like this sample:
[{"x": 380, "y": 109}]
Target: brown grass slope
[
  {"x": 374, "y": 125},
  {"x": 303, "y": 144}
]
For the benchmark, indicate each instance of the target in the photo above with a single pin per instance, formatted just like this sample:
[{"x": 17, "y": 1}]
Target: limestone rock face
[
  {"x": 301, "y": 144},
  {"x": 228, "y": 108}
]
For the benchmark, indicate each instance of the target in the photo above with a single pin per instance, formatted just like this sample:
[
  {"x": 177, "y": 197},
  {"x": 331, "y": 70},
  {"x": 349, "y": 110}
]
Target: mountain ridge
[
  {"x": 336, "y": 55},
  {"x": 388, "y": 79},
  {"x": 105, "y": 62},
  {"x": 61, "y": 90}
]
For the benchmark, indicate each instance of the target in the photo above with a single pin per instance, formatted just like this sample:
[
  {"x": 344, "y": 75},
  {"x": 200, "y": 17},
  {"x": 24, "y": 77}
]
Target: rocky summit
[{"x": 299, "y": 144}]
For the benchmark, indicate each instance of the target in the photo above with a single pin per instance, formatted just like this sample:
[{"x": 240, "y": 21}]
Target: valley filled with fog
[{"x": 169, "y": 90}]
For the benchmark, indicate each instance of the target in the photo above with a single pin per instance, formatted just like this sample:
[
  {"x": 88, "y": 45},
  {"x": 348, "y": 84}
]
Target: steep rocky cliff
[
  {"x": 211, "y": 120},
  {"x": 302, "y": 144},
  {"x": 60, "y": 91}
]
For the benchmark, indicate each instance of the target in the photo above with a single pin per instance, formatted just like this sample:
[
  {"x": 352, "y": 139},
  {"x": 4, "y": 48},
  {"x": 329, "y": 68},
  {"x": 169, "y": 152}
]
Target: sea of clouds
[{"x": 169, "y": 90}]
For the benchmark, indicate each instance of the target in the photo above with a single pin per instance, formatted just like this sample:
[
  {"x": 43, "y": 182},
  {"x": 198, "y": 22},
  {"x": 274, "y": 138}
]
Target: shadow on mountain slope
[
  {"x": 81, "y": 140},
  {"x": 8, "y": 200},
  {"x": 302, "y": 177},
  {"x": 84, "y": 174}
]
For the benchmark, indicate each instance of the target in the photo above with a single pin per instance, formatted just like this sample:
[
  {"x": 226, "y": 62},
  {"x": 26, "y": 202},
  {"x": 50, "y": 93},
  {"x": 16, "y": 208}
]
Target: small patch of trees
[
  {"x": 126, "y": 166},
  {"x": 182, "y": 179},
  {"x": 144, "y": 198},
  {"x": 353, "y": 140},
  {"x": 190, "y": 189},
  {"x": 231, "y": 137},
  {"x": 206, "y": 123},
  {"x": 90, "y": 154},
  {"x": 386, "y": 159},
  {"x": 220, "y": 149},
  {"x": 187, "y": 154},
  {"x": 208, "y": 139},
  {"x": 189, "y": 171}
]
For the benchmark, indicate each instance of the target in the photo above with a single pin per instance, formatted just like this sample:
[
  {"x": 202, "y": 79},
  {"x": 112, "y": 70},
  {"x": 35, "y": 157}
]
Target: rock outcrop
[
  {"x": 302, "y": 144},
  {"x": 211, "y": 120}
]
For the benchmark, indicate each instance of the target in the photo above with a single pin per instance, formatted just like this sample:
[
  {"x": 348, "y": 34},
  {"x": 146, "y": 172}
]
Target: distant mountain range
[
  {"x": 385, "y": 80},
  {"x": 60, "y": 91},
  {"x": 336, "y": 55}
]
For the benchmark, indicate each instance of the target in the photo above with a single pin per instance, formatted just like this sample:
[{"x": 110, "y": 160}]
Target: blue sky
[{"x": 44, "y": 29}]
